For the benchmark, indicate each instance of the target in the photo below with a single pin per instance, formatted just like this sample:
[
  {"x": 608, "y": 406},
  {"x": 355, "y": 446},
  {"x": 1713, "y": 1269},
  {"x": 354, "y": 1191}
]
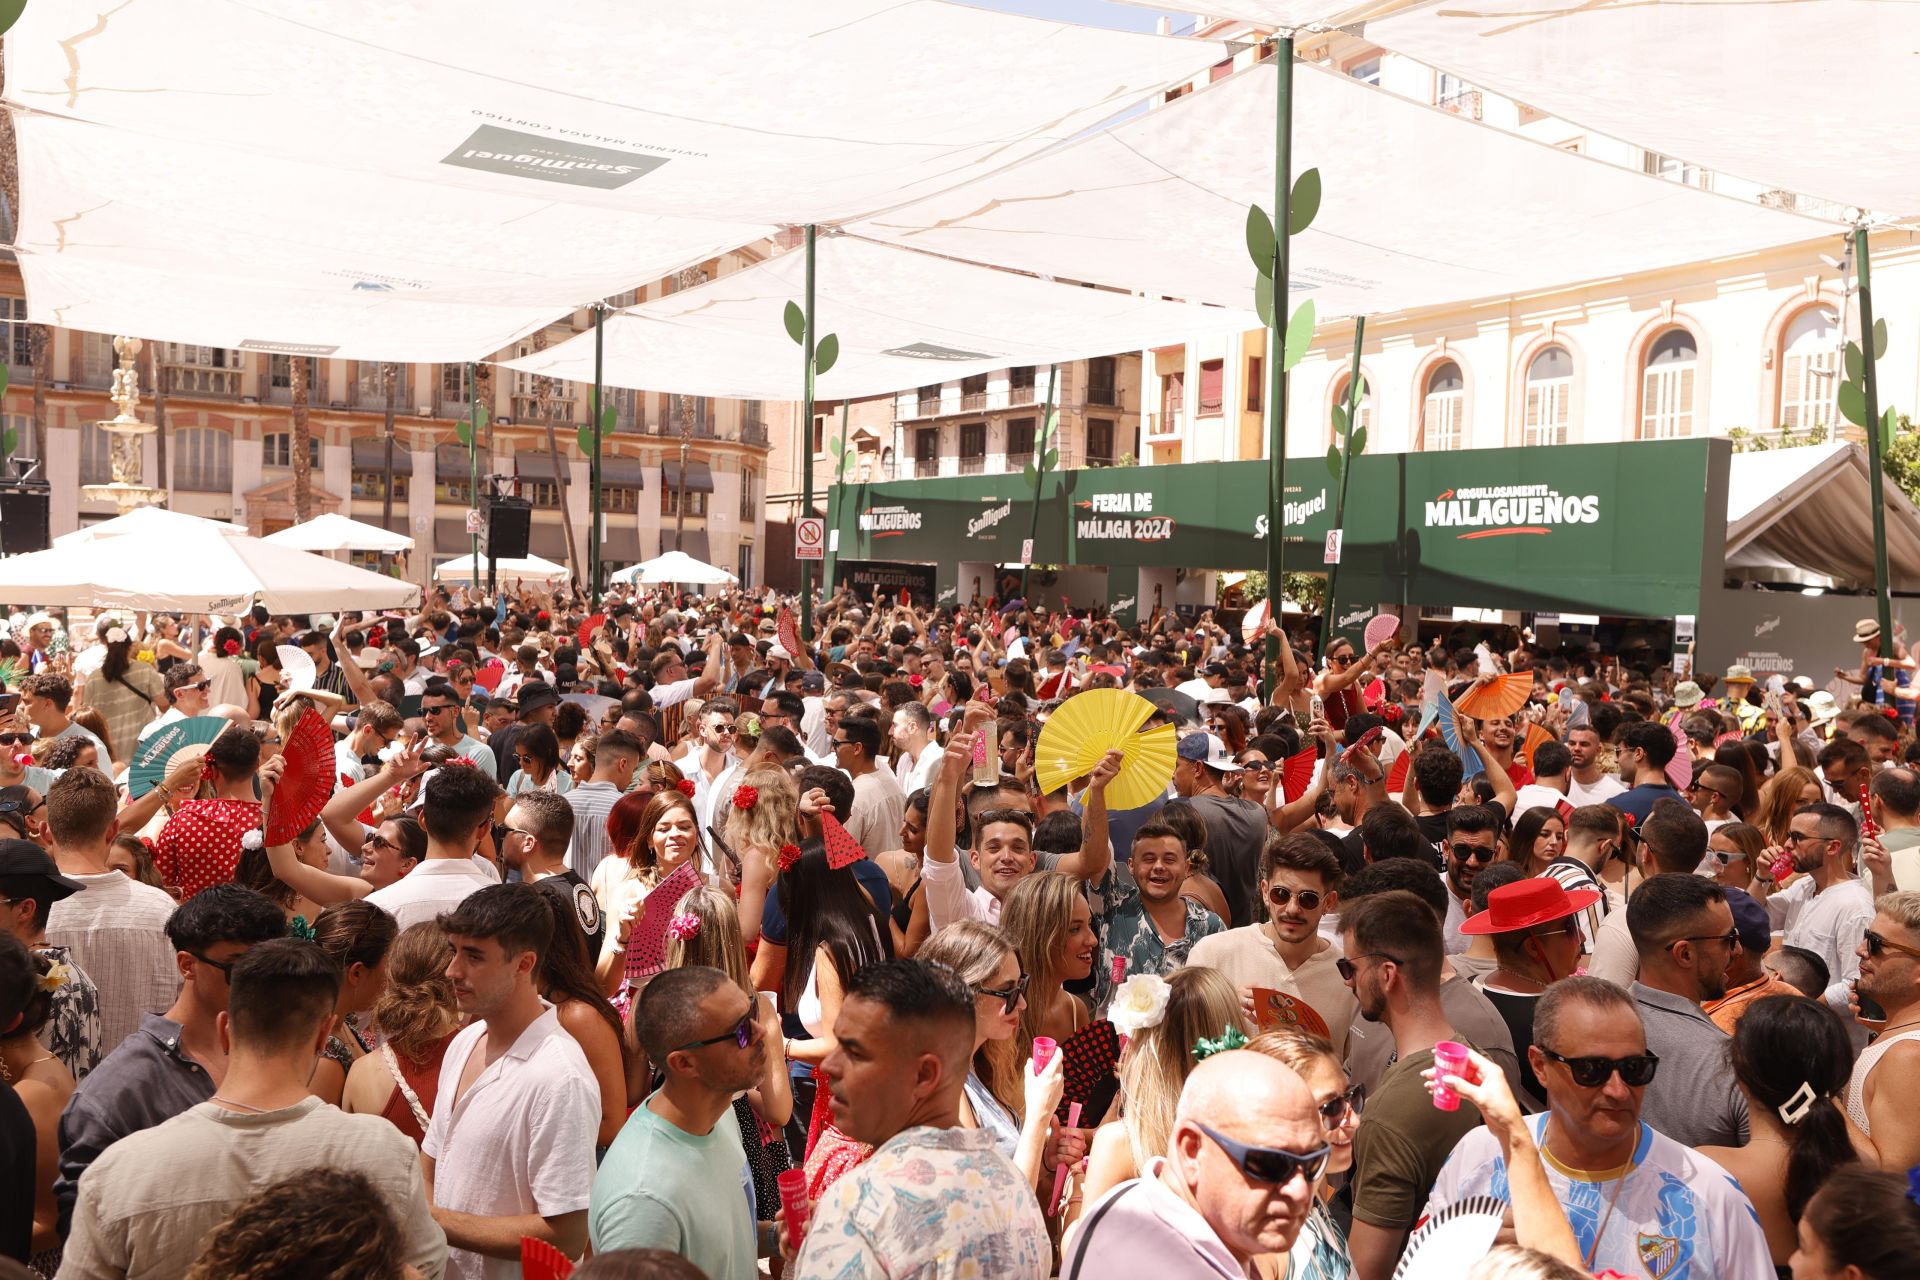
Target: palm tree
[{"x": 300, "y": 441}]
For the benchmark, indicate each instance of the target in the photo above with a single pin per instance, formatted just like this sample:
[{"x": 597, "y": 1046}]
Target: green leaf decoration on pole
[
  {"x": 1260, "y": 240},
  {"x": 5, "y": 379},
  {"x": 1853, "y": 403},
  {"x": 1031, "y": 476},
  {"x": 1299, "y": 335},
  {"x": 796, "y": 320},
  {"x": 1340, "y": 421},
  {"x": 1263, "y": 300},
  {"x": 1052, "y": 460},
  {"x": 1879, "y": 339},
  {"x": 1856, "y": 363},
  {"x": 1304, "y": 203},
  {"x": 584, "y": 438},
  {"x": 1333, "y": 461},
  {"x": 1889, "y": 421},
  {"x": 608, "y": 417},
  {"x": 481, "y": 417},
  {"x": 1359, "y": 444},
  {"x": 463, "y": 432},
  {"x": 825, "y": 354}
]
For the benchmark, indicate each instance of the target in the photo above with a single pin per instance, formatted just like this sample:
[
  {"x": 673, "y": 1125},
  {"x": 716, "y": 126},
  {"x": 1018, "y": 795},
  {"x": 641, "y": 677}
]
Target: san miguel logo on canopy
[
  {"x": 1501, "y": 510},
  {"x": 1126, "y": 517},
  {"x": 889, "y": 522},
  {"x": 935, "y": 351}
]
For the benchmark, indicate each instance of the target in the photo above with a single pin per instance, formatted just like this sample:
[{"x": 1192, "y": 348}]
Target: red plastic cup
[
  {"x": 1043, "y": 1050},
  {"x": 1782, "y": 867},
  {"x": 793, "y": 1198},
  {"x": 1119, "y": 970},
  {"x": 1449, "y": 1059}
]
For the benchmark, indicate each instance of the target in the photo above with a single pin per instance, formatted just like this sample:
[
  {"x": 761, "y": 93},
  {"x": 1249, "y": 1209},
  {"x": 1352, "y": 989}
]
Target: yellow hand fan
[{"x": 1087, "y": 726}]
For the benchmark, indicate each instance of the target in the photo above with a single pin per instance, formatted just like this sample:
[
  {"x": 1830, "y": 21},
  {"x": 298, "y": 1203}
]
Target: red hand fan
[
  {"x": 1565, "y": 809},
  {"x": 1397, "y": 775},
  {"x": 1296, "y": 775},
  {"x": 490, "y": 676},
  {"x": 787, "y": 631},
  {"x": 842, "y": 849},
  {"x": 1366, "y": 740},
  {"x": 541, "y": 1261},
  {"x": 308, "y": 781},
  {"x": 590, "y": 626},
  {"x": 647, "y": 943},
  {"x": 1273, "y": 1008}
]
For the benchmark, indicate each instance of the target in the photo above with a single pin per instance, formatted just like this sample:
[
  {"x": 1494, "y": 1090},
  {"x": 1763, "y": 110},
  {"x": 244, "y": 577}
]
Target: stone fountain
[{"x": 125, "y": 432}]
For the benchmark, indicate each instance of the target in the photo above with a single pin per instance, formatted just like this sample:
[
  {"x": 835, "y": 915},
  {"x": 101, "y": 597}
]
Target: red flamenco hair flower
[
  {"x": 230, "y": 648},
  {"x": 685, "y": 787},
  {"x": 746, "y": 797},
  {"x": 789, "y": 854}
]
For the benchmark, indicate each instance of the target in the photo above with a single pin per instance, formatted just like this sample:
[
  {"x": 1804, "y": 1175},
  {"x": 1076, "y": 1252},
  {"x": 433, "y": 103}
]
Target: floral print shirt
[
  {"x": 72, "y": 1033},
  {"x": 931, "y": 1204},
  {"x": 1124, "y": 930}
]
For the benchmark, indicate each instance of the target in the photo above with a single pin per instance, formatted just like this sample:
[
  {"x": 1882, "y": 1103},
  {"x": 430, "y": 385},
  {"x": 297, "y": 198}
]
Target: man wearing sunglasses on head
[
  {"x": 1640, "y": 1203},
  {"x": 1683, "y": 929},
  {"x": 1237, "y": 1182}
]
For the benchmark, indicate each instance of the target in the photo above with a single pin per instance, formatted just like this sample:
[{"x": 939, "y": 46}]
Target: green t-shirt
[
  {"x": 1402, "y": 1141},
  {"x": 661, "y": 1187}
]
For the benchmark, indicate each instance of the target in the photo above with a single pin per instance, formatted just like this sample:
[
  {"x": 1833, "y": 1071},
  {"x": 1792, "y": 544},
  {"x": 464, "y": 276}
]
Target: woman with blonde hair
[
  {"x": 417, "y": 1015},
  {"x": 755, "y": 834},
  {"x": 999, "y": 1091},
  {"x": 668, "y": 835},
  {"x": 1047, "y": 919},
  {"x": 1785, "y": 792},
  {"x": 1320, "y": 1250},
  {"x": 1201, "y": 1004}
]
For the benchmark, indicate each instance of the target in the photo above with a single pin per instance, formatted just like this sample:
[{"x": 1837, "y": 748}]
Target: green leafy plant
[
  {"x": 1852, "y": 396},
  {"x": 826, "y": 352}
]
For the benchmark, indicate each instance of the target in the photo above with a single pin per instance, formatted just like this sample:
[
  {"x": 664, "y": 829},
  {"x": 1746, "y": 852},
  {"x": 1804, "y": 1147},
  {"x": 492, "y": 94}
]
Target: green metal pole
[
  {"x": 1883, "y": 596},
  {"x": 806, "y": 451},
  {"x": 834, "y": 501},
  {"x": 1277, "y": 350},
  {"x": 593, "y": 463},
  {"x": 1346, "y": 469},
  {"x": 473, "y": 463},
  {"x": 1043, "y": 440}
]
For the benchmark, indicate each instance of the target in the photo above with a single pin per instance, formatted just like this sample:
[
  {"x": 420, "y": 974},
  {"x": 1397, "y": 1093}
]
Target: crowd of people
[{"x": 648, "y": 939}]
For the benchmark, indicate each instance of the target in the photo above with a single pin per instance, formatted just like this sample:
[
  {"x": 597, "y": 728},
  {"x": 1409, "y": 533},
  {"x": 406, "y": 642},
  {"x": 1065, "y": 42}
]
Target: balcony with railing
[
  {"x": 753, "y": 431},
  {"x": 200, "y": 380},
  {"x": 1103, "y": 395},
  {"x": 1169, "y": 424},
  {"x": 973, "y": 464},
  {"x": 924, "y": 467}
]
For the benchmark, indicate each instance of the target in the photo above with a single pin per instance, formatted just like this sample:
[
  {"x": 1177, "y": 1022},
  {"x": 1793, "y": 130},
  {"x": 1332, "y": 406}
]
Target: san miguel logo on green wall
[{"x": 1529, "y": 509}]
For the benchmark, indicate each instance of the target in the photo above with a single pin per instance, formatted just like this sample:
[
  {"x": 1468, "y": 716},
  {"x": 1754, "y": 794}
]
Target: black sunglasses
[
  {"x": 1877, "y": 944},
  {"x": 1270, "y": 1164},
  {"x": 1335, "y": 1110},
  {"x": 1010, "y": 995},
  {"x": 1348, "y": 969},
  {"x": 437, "y": 708},
  {"x": 1279, "y": 895},
  {"x": 741, "y": 1034},
  {"x": 1731, "y": 937},
  {"x": 1256, "y": 766},
  {"x": 1590, "y": 1073},
  {"x": 15, "y": 739},
  {"x": 1462, "y": 852},
  {"x": 224, "y": 966}
]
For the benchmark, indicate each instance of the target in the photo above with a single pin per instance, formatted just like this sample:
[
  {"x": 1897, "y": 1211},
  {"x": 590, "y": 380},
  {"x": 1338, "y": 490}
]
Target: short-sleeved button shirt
[{"x": 200, "y": 845}]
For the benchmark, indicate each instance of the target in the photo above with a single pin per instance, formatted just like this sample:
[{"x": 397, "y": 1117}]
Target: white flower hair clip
[
  {"x": 254, "y": 839},
  {"x": 56, "y": 977},
  {"x": 1140, "y": 1002}
]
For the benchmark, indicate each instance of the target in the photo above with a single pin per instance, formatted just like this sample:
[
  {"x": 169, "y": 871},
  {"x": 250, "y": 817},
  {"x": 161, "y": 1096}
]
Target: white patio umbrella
[
  {"x": 149, "y": 522},
  {"x": 198, "y": 566},
  {"x": 674, "y": 567},
  {"x": 335, "y": 532},
  {"x": 527, "y": 569}
]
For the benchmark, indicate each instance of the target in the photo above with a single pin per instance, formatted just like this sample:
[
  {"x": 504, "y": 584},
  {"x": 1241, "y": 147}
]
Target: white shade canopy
[
  {"x": 204, "y": 569},
  {"x": 393, "y": 179},
  {"x": 1420, "y": 206},
  {"x": 675, "y": 567},
  {"x": 521, "y": 569},
  {"x": 901, "y": 318},
  {"x": 335, "y": 532},
  {"x": 149, "y": 522}
]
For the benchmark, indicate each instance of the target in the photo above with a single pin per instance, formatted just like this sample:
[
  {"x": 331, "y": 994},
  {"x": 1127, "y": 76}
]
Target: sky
[{"x": 1092, "y": 13}]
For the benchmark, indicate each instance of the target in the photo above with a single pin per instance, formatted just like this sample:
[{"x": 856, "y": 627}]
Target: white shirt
[
  {"x": 117, "y": 931},
  {"x": 949, "y": 899},
  {"x": 913, "y": 774},
  {"x": 1830, "y": 924},
  {"x": 707, "y": 792},
  {"x": 1600, "y": 792},
  {"x": 435, "y": 885},
  {"x": 160, "y": 721},
  {"x": 1535, "y": 796},
  {"x": 346, "y": 764},
  {"x": 520, "y": 1140}
]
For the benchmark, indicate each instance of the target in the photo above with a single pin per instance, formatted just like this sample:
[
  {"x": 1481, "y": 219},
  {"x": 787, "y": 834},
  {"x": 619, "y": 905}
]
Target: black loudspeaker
[
  {"x": 509, "y": 521},
  {"x": 23, "y": 521}
]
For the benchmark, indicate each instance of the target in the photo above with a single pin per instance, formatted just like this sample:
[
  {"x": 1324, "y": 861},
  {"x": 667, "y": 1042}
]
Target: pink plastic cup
[
  {"x": 793, "y": 1198},
  {"x": 1043, "y": 1051},
  {"x": 1449, "y": 1059}
]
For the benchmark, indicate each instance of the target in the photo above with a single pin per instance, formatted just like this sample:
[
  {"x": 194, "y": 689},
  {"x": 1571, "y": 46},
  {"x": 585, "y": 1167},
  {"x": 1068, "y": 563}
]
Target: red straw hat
[{"x": 1525, "y": 903}]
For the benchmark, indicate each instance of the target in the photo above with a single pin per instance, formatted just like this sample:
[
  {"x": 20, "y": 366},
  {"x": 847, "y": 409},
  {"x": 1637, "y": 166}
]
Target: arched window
[
  {"x": 1809, "y": 370},
  {"x": 202, "y": 460},
  {"x": 1549, "y": 399},
  {"x": 277, "y": 449},
  {"x": 1666, "y": 387},
  {"x": 1443, "y": 410},
  {"x": 1365, "y": 416}
]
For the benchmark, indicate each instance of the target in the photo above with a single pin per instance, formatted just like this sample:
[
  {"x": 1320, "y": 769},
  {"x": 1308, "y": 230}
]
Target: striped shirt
[{"x": 592, "y": 802}]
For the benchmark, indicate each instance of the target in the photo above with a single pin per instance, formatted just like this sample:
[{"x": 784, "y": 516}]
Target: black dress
[{"x": 17, "y": 1176}]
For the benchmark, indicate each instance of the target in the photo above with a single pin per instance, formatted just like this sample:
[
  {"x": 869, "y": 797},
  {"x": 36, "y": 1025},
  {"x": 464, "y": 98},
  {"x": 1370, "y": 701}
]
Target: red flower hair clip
[
  {"x": 915, "y": 680},
  {"x": 468, "y": 761},
  {"x": 746, "y": 797},
  {"x": 685, "y": 787},
  {"x": 789, "y": 854},
  {"x": 230, "y": 648}
]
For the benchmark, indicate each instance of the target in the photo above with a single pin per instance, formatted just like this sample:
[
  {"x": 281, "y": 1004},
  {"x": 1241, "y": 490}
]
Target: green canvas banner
[{"x": 1614, "y": 528}]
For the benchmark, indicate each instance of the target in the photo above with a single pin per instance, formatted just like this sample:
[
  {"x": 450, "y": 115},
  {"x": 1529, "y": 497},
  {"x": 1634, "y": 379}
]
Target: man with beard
[
  {"x": 1827, "y": 909},
  {"x": 1473, "y": 842},
  {"x": 1300, "y": 880},
  {"x": 1393, "y": 964},
  {"x": 1146, "y": 922},
  {"x": 1683, "y": 929},
  {"x": 1589, "y": 783},
  {"x": 1878, "y": 1104}
]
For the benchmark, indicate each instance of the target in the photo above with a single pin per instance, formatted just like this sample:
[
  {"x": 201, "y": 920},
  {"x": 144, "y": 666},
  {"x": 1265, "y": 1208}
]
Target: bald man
[{"x": 1238, "y": 1178}]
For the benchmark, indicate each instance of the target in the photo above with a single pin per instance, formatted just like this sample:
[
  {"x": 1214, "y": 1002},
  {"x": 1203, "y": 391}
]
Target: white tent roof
[
  {"x": 903, "y": 319},
  {"x": 1811, "y": 96},
  {"x": 674, "y": 567},
  {"x": 529, "y": 568},
  {"x": 205, "y": 569},
  {"x": 380, "y": 180},
  {"x": 148, "y": 522},
  {"x": 1794, "y": 512},
  {"x": 335, "y": 532},
  {"x": 1421, "y": 207}
]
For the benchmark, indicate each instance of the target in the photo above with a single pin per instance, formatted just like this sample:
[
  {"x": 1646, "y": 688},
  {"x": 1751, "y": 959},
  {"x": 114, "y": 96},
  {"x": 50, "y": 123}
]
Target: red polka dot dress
[{"x": 200, "y": 845}]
